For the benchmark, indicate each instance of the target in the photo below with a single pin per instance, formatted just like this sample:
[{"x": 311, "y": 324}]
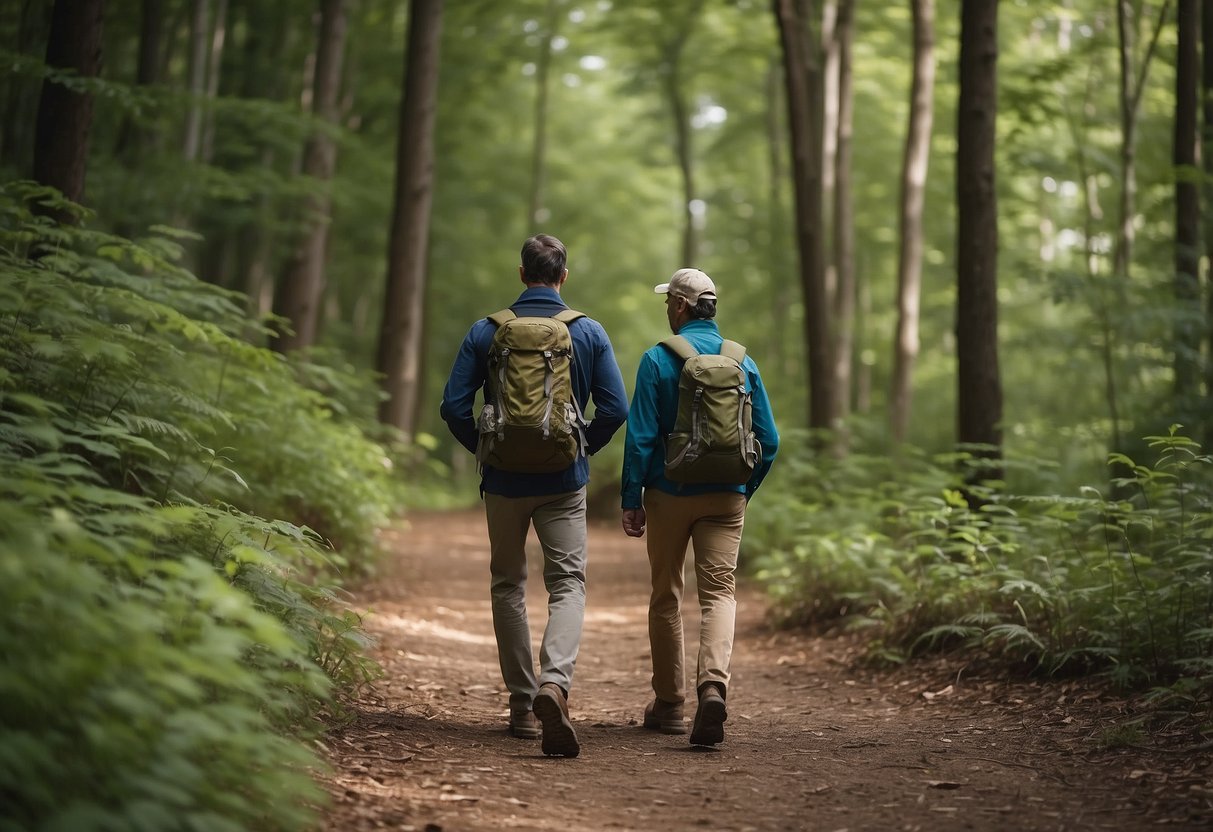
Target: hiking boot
[
  {"x": 708, "y": 728},
  {"x": 559, "y": 738},
  {"x": 665, "y": 717},
  {"x": 524, "y": 726}
]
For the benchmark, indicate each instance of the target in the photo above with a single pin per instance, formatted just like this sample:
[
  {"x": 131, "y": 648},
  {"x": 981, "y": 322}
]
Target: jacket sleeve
[
  {"x": 459, "y": 396},
  {"x": 609, "y": 396},
  {"x": 764, "y": 429},
  {"x": 643, "y": 439}
]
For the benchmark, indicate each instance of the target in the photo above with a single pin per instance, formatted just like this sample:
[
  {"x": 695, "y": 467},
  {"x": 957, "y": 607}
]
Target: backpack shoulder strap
[
  {"x": 567, "y": 316},
  {"x": 681, "y": 347},
  {"x": 499, "y": 318},
  {"x": 733, "y": 350}
]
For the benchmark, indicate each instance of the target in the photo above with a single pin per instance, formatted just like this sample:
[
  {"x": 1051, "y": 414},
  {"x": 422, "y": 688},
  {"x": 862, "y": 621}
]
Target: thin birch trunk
[{"x": 915, "y": 162}]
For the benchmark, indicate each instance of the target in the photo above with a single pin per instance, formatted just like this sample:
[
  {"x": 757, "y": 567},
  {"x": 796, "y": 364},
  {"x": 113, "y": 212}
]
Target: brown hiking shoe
[
  {"x": 559, "y": 738},
  {"x": 708, "y": 728},
  {"x": 524, "y": 726},
  {"x": 665, "y": 717}
]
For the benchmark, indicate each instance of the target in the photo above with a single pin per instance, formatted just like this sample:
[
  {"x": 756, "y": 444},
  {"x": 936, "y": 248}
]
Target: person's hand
[{"x": 633, "y": 522}]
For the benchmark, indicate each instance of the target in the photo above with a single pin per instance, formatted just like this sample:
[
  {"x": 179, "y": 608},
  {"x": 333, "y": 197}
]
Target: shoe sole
[
  {"x": 559, "y": 738},
  {"x": 666, "y": 727},
  {"x": 524, "y": 733},
  {"x": 709, "y": 722}
]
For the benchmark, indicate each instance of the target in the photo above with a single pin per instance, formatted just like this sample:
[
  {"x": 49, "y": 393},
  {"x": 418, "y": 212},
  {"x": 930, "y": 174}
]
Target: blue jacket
[
  {"x": 595, "y": 375},
  {"x": 655, "y": 406}
]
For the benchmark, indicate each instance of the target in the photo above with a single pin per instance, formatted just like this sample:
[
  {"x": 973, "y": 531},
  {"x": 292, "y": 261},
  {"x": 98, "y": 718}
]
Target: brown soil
[{"x": 815, "y": 740}]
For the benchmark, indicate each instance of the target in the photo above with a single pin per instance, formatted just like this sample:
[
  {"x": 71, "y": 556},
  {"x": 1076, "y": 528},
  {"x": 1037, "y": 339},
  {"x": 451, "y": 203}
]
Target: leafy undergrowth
[
  {"x": 1119, "y": 584},
  {"x": 167, "y": 648}
]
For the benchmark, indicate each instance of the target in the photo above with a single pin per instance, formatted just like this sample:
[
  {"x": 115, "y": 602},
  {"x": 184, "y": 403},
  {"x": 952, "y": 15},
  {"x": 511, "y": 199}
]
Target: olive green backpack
[
  {"x": 531, "y": 422},
  {"x": 713, "y": 439}
]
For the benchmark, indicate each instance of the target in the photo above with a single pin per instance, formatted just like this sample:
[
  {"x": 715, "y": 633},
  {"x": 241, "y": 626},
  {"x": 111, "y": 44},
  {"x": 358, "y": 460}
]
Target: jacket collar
[
  {"x": 699, "y": 325},
  {"x": 540, "y": 294}
]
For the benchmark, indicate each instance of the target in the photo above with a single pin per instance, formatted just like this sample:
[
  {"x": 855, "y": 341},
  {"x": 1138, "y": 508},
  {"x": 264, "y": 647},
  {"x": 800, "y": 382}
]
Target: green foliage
[
  {"x": 1120, "y": 583},
  {"x": 163, "y": 642}
]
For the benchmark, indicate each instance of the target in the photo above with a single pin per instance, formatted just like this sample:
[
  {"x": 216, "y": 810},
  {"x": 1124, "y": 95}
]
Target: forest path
[{"x": 813, "y": 740}]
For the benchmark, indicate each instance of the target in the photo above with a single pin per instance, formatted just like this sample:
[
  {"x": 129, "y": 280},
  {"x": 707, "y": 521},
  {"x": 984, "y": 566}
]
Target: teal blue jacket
[{"x": 655, "y": 406}]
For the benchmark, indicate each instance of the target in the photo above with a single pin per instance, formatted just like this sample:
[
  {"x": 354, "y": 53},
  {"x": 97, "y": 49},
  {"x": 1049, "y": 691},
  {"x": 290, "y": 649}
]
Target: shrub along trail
[{"x": 814, "y": 739}]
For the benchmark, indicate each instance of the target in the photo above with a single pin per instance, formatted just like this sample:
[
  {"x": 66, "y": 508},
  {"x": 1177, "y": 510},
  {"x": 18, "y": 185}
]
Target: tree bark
[
  {"x": 196, "y": 82},
  {"x": 1131, "y": 87},
  {"x": 915, "y": 161},
  {"x": 214, "y": 63},
  {"x": 20, "y": 94},
  {"x": 536, "y": 212},
  {"x": 844, "y": 222},
  {"x": 1206, "y": 36},
  {"x": 979, "y": 394},
  {"x": 65, "y": 117},
  {"x": 782, "y": 290},
  {"x": 401, "y": 332},
  {"x": 1187, "y": 208},
  {"x": 803, "y": 79},
  {"x": 131, "y": 137},
  {"x": 829, "y": 139},
  {"x": 672, "y": 84},
  {"x": 299, "y": 295}
]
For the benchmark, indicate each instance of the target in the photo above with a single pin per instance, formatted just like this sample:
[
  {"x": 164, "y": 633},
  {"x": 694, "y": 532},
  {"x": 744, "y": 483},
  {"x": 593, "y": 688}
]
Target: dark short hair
[
  {"x": 703, "y": 309},
  {"x": 543, "y": 259}
]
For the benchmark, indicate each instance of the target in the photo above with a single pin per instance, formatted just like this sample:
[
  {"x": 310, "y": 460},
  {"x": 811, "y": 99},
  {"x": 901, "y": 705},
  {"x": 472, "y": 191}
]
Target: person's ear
[
  {"x": 521, "y": 273},
  {"x": 563, "y": 277}
]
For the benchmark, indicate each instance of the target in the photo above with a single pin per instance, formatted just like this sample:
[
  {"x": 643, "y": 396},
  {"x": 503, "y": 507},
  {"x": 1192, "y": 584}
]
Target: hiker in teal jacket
[{"x": 710, "y": 516}]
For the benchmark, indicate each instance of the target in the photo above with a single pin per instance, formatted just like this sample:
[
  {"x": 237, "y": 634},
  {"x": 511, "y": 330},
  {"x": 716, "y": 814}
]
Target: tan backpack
[
  {"x": 713, "y": 439},
  {"x": 531, "y": 422}
]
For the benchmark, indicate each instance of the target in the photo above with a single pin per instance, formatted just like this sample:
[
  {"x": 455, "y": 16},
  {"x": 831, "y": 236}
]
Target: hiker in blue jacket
[
  {"x": 709, "y": 515},
  {"x": 554, "y": 502}
]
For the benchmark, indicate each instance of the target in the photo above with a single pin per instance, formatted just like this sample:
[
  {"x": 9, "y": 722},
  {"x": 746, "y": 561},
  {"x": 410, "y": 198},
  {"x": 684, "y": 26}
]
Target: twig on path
[
  {"x": 383, "y": 757},
  {"x": 1056, "y": 777}
]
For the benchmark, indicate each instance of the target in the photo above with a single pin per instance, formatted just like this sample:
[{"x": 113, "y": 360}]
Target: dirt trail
[{"x": 813, "y": 740}]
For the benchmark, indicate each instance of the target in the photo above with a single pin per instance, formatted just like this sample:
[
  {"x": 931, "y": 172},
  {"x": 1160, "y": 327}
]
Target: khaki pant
[
  {"x": 712, "y": 523},
  {"x": 559, "y": 521}
]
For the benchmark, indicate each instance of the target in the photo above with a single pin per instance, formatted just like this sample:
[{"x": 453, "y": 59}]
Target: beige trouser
[
  {"x": 559, "y": 521},
  {"x": 712, "y": 522}
]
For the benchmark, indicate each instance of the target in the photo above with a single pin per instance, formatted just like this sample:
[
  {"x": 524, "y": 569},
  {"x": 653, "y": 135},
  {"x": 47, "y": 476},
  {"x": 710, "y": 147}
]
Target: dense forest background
[
  {"x": 241, "y": 242},
  {"x": 601, "y": 123}
]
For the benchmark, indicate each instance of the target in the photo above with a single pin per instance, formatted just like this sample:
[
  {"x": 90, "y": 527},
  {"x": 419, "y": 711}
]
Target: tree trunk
[
  {"x": 913, "y": 190},
  {"x": 196, "y": 82},
  {"x": 1187, "y": 208},
  {"x": 803, "y": 79},
  {"x": 299, "y": 295},
  {"x": 1206, "y": 37},
  {"x": 20, "y": 93},
  {"x": 844, "y": 221},
  {"x": 263, "y": 51},
  {"x": 214, "y": 62},
  {"x": 400, "y": 336},
  {"x": 536, "y": 212},
  {"x": 1131, "y": 87},
  {"x": 131, "y": 137},
  {"x": 782, "y": 294},
  {"x": 672, "y": 78},
  {"x": 65, "y": 117},
  {"x": 979, "y": 394},
  {"x": 829, "y": 140}
]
